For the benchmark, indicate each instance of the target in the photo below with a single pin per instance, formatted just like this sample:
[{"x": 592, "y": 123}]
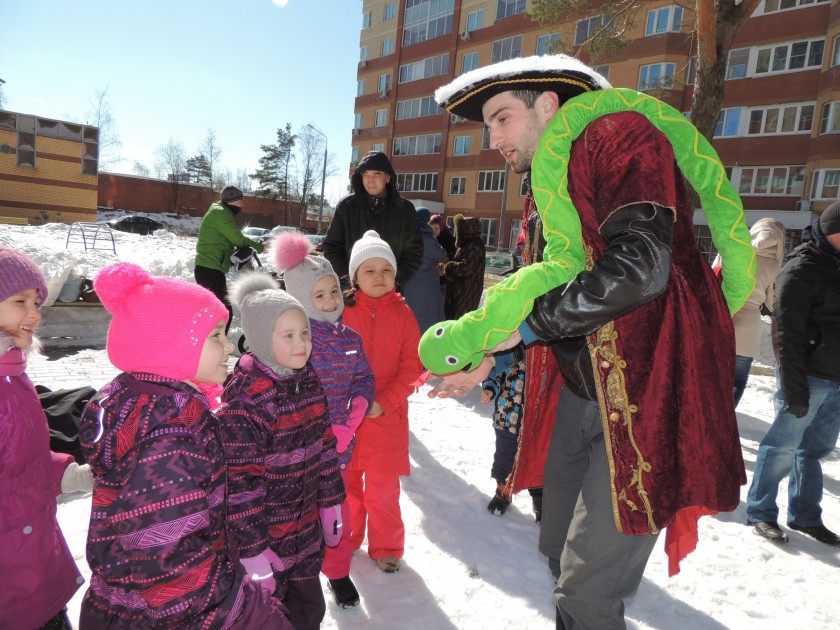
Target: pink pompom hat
[{"x": 301, "y": 270}]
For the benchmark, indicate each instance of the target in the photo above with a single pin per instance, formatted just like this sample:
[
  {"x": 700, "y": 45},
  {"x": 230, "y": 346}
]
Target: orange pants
[{"x": 375, "y": 501}]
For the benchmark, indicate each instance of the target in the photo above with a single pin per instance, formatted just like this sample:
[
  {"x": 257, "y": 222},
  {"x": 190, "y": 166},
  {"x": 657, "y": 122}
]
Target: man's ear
[
  {"x": 547, "y": 104},
  {"x": 387, "y": 178}
]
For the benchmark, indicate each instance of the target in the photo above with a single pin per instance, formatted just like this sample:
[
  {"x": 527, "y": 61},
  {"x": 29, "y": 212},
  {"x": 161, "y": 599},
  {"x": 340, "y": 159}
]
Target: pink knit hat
[
  {"x": 19, "y": 273},
  {"x": 160, "y": 323}
]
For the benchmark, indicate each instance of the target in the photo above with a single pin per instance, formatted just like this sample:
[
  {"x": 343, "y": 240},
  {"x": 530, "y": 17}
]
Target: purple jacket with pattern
[
  {"x": 342, "y": 367},
  {"x": 157, "y": 544},
  {"x": 282, "y": 464}
]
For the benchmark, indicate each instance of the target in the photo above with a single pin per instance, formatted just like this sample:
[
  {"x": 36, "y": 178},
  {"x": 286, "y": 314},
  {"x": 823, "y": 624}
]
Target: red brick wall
[{"x": 143, "y": 194}]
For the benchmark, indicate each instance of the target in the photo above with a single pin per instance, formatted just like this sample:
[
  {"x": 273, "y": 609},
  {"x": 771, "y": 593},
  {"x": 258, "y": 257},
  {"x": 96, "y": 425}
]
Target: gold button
[
  {"x": 614, "y": 416},
  {"x": 605, "y": 365}
]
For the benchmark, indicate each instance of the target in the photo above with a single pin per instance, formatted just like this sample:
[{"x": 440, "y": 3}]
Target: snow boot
[
  {"x": 536, "y": 501},
  {"x": 344, "y": 592},
  {"x": 500, "y": 501}
]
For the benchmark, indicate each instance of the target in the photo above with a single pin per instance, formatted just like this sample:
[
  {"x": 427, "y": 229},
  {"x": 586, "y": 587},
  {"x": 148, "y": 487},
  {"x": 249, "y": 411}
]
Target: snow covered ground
[{"x": 465, "y": 568}]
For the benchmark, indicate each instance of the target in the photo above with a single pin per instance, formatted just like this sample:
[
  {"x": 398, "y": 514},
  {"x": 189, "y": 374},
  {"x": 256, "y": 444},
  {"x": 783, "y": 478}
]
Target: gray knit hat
[
  {"x": 261, "y": 301},
  {"x": 370, "y": 246},
  {"x": 830, "y": 219},
  {"x": 291, "y": 253},
  {"x": 231, "y": 193}
]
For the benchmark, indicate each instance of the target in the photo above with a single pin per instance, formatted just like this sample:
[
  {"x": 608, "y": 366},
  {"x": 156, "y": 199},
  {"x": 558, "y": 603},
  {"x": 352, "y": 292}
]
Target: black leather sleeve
[{"x": 633, "y": 271}]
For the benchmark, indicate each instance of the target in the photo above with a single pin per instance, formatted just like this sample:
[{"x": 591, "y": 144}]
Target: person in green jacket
[{"x": 218, "y": 236}]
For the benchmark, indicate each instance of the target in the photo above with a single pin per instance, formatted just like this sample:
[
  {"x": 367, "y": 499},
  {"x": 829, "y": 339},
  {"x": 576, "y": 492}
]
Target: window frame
[
  {"x": 672, "y": 15},
  {"x": 496, "y": 183},
  {"x": 498, "y": 49},
  {"x": 459, "y": 182},
  {"x": 668, "y": 81}
]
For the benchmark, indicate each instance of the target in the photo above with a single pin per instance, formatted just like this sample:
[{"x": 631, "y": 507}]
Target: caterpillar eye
[
  {"x": 451, "y": 359},
  {"x": 439, "y": 331}
]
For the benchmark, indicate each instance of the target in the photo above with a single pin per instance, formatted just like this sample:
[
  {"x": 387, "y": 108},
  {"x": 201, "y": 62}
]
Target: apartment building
[
  {"x": 49, "y": 169},
  {"x": 778, "y": 134}
]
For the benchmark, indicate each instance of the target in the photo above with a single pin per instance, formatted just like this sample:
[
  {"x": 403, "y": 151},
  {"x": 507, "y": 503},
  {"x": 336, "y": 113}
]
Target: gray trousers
[{"x": 599, "y": 567}]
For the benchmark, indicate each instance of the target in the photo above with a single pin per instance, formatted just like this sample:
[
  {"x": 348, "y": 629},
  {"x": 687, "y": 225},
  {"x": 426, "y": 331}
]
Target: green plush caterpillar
[{"x": 460, "y": 344}]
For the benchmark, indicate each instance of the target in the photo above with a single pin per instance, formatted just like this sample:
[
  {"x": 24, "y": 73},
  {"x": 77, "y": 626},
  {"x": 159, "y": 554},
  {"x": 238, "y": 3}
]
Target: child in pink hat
[{"x": 157, "y": 543}]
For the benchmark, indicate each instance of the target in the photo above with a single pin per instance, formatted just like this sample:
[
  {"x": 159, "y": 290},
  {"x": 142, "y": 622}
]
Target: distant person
[
  {"x": 284, "y": 486},
  {"x": 374, "y": 205},
  {"x": 390, "y": 336},
  {"x": 768, "y": 238},
  {"x": 38, "y": 575},
  {"x": 158, "y": 541},
  {"x": 422, "y": 292},
  {"x": 218, "y": 237},
  {"x": 465, "y": 272},
  {"x": 805, "y": 430},
  {"x": 342, "y": 367},
  {"x": 445, "y": 239}
]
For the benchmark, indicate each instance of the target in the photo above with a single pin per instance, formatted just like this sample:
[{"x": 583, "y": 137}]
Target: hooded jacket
[
  {"x": 38, "y": 575},
  {"x": 465, "y": 272},
  {"x": 282, "y": 463},
  {"x": 157, "y": 544},
  {"x": 807, "y": 315},
  {"x": 393, "y": 218},
  {"x": 218, "y": 236}
]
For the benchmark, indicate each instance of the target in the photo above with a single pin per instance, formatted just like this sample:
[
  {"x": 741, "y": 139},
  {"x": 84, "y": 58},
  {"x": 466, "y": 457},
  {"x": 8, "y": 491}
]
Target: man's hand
[
  {"x": 797, "y": 410},
  {"x": 460, "y": 383}
]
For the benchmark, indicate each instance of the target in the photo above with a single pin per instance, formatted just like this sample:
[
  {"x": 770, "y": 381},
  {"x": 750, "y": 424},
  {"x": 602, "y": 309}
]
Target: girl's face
[
  {"x": 212, "y": 366},
  {"x": 291, "y": 339},
  {"x": 20, "y": 317},
  {"x": 326, "y": 296},
  {"x": 376, "y": 277}
]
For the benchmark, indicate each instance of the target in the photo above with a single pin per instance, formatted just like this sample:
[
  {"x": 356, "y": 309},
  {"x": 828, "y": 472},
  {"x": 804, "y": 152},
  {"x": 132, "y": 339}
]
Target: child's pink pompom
[
  {"x": 114, "y": 283},
  {"x": 290, "y": 249}
]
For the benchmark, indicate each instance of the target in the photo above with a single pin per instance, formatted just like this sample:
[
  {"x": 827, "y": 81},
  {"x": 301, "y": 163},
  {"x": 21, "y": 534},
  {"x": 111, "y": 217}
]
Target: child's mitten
[
  {"x": 77, "y": 479},
  {"x": 259, "y": 568},
  {"x": 331, "y": 524},
  {"x": 344, "y": 433}
]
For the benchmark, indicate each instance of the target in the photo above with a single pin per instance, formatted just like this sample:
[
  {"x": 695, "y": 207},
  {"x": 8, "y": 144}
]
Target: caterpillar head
[{"x": 445, "y": 348}]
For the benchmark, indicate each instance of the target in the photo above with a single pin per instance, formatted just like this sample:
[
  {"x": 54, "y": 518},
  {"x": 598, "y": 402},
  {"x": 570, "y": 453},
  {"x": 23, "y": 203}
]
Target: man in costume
[{"x": 645, "y": 435}]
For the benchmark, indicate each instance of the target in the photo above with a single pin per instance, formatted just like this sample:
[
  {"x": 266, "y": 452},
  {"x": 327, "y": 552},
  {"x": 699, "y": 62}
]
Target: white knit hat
[{"x": 370, "y": 246}]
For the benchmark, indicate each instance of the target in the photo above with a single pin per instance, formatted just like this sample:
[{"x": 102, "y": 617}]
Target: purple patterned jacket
[
  {"x": 157, "y": 543},
  {"x": 282, "y": 464},
  {"x": 342, "y": 367}
]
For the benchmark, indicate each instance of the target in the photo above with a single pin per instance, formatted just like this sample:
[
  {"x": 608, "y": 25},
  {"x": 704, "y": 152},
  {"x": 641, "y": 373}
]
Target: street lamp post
[{"x": 323, "y": 176}]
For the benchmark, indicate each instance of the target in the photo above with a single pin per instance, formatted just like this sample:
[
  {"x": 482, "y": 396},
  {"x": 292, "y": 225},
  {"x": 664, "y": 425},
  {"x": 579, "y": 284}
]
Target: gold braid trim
[
  {"x": 511, "y": 82},
  {"x": 606, "y": 360}
]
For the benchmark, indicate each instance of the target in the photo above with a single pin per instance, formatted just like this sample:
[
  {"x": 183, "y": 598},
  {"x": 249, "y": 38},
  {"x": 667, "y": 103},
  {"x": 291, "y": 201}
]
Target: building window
[
  {"x": 773, "y": 6},
  {"x": 691, "y": 75},
  {"x": 506, "y": 49},
  {"x": 457, "y": 186},
  {"x": 769, "y": 180},
  {"x": 418, "y": 107},
  {"x": 728, "y": 124},
  {"x": 388, "y": 47},
  {"x": 427, "y": 19},
  {"x": 826, "y": 185},
  {"x": 491, "y": 181},
  {"x": 589, "y": 27},
  {"x": 507, "y": 8},
  {"x": 366, "y": 18},
  {"x": 418, "y": 145},
  {"x": 381, "y": 118},
  {"x": 462, "y": 145},
  {"x": 384, "y": 83},
  {"x": 469, "y": 62},
  {"x": 547, "y": 43},
  {"x": 360, "y": 87},
  {"x": 656, "y": 76},
  {"x": 425, "y": 68},
  {"x": 736, "y": 64},
  {"x": 781, "y": 119},
  {"x": 664, "y": 20},
  {"x": 25, "y": 140},
  {"x": 488, "y": 231},
  {"x": 485, "y": 140},
  {"x": 793, "y": 56},
  {"x": 357, "y": 123},
  {"x": 830, "y": 119},
  {"x": 835, "y": 55},
  {"x": 90, "y": 151},
  {"x": 390, "y": 11},
  {"x": 417, "y": 182},
  {"x": 603, "y": 70},
  {"x": 363, "y": 53},
  {"x": 379, "y": 147},
  {"x": 354, "y": 154},
  {"x": 515, "y": 229},
  {"x": 475, "y": 20}
]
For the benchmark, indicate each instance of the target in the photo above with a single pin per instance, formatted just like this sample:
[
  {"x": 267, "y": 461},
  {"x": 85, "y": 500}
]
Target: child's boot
[
  {"x": 500, "y": 501},
  {"x": 536, "y": 501},
  {"x": 344, "y": 592}
]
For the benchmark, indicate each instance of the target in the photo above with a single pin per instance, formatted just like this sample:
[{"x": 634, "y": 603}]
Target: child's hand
[
  {"x": 486, "y": 396},
  {"x": 260, "y": 569},
  {"x": 375, "y": 410}
]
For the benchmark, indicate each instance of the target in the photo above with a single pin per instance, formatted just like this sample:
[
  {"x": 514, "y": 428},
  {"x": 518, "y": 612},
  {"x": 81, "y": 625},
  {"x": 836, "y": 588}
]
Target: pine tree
[{"x": 273, "y": 174}]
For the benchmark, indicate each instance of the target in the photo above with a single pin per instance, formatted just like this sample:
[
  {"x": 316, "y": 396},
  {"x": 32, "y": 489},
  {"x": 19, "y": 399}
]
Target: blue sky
[{"x": 173, "y": 68}]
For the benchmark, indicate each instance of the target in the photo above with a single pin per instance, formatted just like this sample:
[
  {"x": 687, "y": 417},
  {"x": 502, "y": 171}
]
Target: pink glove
[
  {"x": 331, "y": 524},
  {"x": 345, "y": 433},
  {"x": 260, "y": 569}
]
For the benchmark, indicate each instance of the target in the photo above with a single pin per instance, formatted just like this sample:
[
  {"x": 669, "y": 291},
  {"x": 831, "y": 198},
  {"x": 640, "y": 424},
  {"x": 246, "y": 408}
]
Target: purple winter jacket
[
  {"x": 38, "y": 575},
  {"x": 343, "y": 369},
  {"x": 157, "y": 543},
  {"x": 282, "y": 465}
]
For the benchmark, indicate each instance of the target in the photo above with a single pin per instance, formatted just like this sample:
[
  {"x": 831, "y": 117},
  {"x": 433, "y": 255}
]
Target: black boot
[
  {"x": 819, "y": 532},
  {"x": 769, "y": 530},
  {"x": 536, "y": 501},
  {"x": 500, "y": 501},
  {"x": 344, "y": 592}
]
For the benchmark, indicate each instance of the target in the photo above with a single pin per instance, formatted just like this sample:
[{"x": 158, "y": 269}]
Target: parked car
[
  {"x": 500, "y": 263},
  {"x": 135, "y": 224},
  {"x": 317, "y": 240},
  {"x": 279, "y": 229},
  {"x": 254, "y": 233}
]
